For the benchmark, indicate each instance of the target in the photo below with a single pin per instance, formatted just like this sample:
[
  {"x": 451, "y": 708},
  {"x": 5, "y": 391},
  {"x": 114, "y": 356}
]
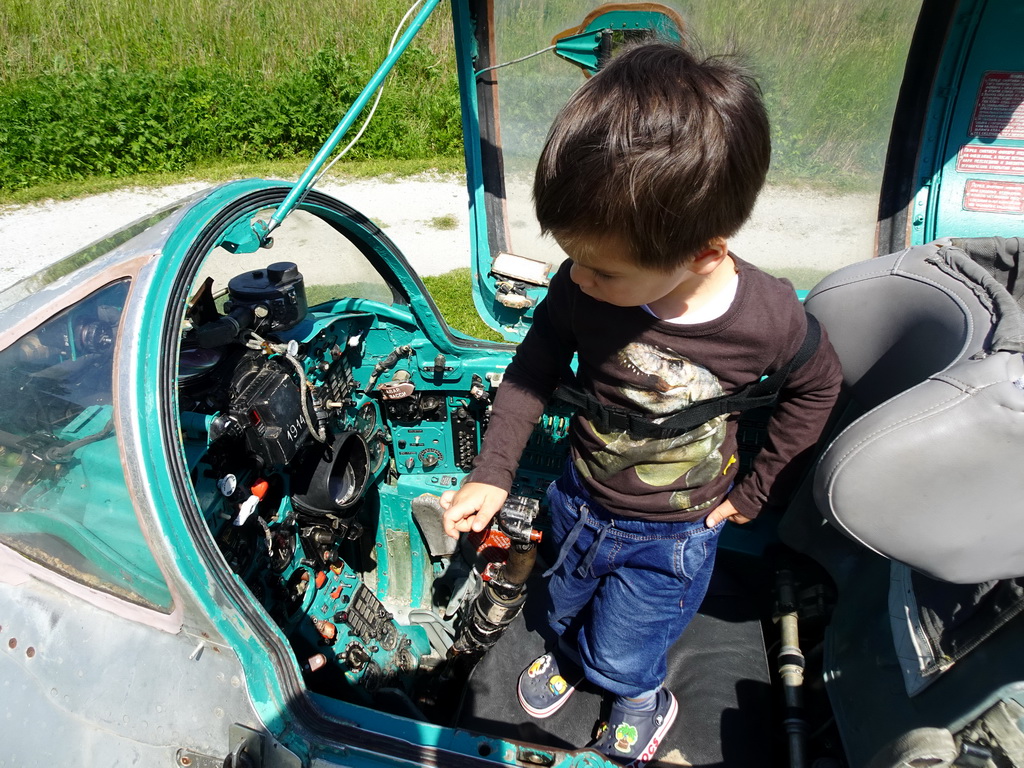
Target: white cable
[
  {"x": 514, "y": 61},
  {"x": 376, "y": 101},
  {"x": 257, "y": 342}
]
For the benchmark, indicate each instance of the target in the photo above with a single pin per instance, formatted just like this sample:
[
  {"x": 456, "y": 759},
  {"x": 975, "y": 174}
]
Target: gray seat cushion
[{"x": 931, "y": 350}]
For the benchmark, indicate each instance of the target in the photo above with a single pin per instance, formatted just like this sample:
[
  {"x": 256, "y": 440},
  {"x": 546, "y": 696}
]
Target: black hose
[{"x": 791, "y": 669}]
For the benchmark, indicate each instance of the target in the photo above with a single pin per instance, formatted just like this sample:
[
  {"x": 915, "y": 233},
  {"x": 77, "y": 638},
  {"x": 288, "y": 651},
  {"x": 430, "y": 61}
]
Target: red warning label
[
  {"x": 994, "y": 196},
  {"x": 1009, "y": 160},
  {"x": 999, "y": 111}
]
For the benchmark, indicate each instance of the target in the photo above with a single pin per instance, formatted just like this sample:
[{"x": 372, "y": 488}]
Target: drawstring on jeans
[
  {"x": 570, "y": 542},
  {"x": 584, "y": 567}
]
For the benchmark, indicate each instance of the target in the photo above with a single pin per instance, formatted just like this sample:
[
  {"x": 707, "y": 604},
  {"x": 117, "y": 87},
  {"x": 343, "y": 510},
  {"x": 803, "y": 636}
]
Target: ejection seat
[{"x": 923, "y": 656}]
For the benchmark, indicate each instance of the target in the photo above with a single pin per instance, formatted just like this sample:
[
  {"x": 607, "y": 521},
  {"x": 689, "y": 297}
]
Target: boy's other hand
[
  {"x": 724, "y": 511},
  {"x": 471, "y": 508}
]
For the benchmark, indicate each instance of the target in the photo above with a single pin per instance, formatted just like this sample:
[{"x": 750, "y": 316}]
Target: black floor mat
[{"x": 717, "y": 670}]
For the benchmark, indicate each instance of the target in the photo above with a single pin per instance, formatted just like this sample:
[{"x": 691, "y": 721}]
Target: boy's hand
[
  {"x": 724, "y": 511},
  {"x": 471, "y": 507}
]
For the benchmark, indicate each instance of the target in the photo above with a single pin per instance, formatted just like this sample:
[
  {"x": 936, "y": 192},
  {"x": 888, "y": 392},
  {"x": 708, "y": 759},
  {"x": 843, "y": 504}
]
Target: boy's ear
[{"x": 710, "y": 256}]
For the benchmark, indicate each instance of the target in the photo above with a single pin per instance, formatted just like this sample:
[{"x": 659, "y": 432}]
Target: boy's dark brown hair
[{"x": 662, "y": 148}]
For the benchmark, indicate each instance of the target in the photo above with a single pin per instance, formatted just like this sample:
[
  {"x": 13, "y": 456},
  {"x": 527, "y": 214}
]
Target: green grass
[
  {"x": 109, "y": 88},
  {"x": 446, "y": 222},
  {"x": 318, "y": 294},
  {"x": 802, "y": 278},
  {"x": 830, "y": 71},
  {"x": 452, "y": 293},
  {"x": 215, "y": 171},
  {"x": 240, "y": 35},
  {"x": 128, "y": 90}
]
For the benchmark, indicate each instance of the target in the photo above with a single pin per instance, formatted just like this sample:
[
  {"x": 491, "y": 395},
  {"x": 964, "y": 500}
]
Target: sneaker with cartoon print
[
  {"x": 632, "y": 738},
  {"x": 547, "y": 684}
]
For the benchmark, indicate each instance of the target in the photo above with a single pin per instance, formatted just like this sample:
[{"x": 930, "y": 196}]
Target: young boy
[{"x": 649, "y": 167}]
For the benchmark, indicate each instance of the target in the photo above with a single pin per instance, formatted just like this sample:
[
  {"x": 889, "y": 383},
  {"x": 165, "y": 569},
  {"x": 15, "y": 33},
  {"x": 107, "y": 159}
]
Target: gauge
[
  {"x": 195, "y": 362},
  {"x": 430, "y": 457},
  {"x": 378, "y": 452},
  {"x": 388, "y": 637},
  {"x": 366, "y": 420}
]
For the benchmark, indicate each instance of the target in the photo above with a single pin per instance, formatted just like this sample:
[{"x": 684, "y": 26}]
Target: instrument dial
[
  {"x": 430, "y": 457},
  {"x": 366, "y": 420},
  {"x": 378, "y": 452}
]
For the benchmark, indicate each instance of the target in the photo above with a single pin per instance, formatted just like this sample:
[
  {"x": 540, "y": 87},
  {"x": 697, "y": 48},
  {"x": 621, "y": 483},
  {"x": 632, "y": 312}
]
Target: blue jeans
[{"x": 629, "y": 586}]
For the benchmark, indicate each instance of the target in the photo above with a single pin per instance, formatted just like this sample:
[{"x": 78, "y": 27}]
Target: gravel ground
[{"x": 427, "y": 217}]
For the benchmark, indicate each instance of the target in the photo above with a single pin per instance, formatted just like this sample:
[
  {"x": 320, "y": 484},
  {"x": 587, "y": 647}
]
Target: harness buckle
[{"x": 617, "y": 421}]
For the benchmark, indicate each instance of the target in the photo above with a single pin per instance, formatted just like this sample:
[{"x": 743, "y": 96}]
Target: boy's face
[{"x": 604, "y": 271}]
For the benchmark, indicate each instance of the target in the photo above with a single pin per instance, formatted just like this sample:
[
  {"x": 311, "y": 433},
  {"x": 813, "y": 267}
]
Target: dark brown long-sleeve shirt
[{"x": 628, "y": 358}]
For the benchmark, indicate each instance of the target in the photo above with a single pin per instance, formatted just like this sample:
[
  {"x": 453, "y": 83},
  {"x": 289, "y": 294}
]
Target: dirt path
[
  {"x": 32, "y": 236},
  {"x": 427, "y": 218}
]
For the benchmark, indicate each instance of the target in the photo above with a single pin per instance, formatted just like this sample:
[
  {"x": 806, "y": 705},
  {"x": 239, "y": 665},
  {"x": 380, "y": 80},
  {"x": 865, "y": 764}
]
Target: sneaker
[
  {"x": 544, "y": 688},
  {"x": 632, "y": 738}
]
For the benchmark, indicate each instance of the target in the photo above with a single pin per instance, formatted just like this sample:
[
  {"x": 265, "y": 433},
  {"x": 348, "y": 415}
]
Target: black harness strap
[{"x": 610, "y": 418}]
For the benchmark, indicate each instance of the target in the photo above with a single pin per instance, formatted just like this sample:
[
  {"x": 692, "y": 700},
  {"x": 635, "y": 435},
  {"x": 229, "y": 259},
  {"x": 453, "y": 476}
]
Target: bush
[{"x": 108, "y": 121}]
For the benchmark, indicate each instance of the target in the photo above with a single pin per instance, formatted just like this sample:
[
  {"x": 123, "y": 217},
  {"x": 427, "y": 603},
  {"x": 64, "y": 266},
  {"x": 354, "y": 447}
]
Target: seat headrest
[{"x": 931, "y": 348}]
